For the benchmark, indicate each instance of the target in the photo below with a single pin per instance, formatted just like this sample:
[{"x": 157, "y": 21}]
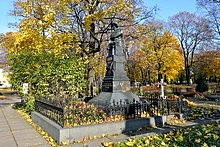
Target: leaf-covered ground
[{"x": 204, "y": 135}]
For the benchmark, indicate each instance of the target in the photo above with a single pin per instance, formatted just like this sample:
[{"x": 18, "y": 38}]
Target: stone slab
[
  {"x": 6, "y": 133},
  {"x": 20, "y": 127},
  {"x": 96, "y": 142},
  {"x": 4, "y": 128},
  {"x": 31, "y": 142},
  {"x": 42, "y": 145},
  {"x": 119, "y": 137},
  {"x": 6, "y": 141},
  {"x": 29, "y": 134},
  {"x": 3, "y": 123},
  {"x": 72, "y": 134},
  {"x": 16, "y": 132}
]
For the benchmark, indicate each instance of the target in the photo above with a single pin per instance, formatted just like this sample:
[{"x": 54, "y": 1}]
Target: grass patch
[{"x": 204, "y": 135}]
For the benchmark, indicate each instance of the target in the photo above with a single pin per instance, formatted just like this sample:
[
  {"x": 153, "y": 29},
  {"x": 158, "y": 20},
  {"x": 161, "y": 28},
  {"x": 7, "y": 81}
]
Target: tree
[
  {"x": 207, "y": 63},
  {"x": 191, "y": 31},
  {"x": 141, "y": 66},
  {"x": 158, "y": 52},
  {"x": 211, "y": 10},
  {"x": 3, "y": 61},
  {"x": 90, "y": 20}
]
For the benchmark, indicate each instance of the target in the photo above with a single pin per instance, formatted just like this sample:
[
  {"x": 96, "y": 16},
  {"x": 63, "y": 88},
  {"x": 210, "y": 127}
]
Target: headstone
[
  {"x": 190, "y": 81},
  {"x": 116, "y": 84},
  {"x": 25, "y": 88}
]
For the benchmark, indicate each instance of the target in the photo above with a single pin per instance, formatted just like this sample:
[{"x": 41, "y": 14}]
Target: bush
[
  {"x": 202, "y": 85},
  {"x": 48, "y": 75}
]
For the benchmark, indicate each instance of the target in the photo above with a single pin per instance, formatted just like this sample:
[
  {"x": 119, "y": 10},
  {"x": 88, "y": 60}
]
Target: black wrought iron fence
[
  {"x": 79, "y": 113},
  {"x": 127, "y": 110},
  {"x": 51, "y": 111}
]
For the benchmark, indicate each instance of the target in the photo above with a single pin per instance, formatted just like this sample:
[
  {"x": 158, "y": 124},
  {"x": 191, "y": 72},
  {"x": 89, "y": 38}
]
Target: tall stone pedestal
[{"x": 116, "y": 84}]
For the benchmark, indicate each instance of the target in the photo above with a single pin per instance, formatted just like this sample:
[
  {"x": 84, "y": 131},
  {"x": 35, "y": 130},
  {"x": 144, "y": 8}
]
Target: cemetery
[
  {"x": 114, "y": 111},
  {"x": 109, "y": 73}
]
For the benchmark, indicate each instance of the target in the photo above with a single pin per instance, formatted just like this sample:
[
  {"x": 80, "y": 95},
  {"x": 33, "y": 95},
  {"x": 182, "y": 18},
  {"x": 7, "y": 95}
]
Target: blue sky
[
  {"x": 5, "y": 7},
  {"x": 167, "y": 8}
]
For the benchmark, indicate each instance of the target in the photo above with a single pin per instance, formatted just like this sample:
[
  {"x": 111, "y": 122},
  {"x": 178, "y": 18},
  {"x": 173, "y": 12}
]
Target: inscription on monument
[{"x": 107, "y": 86}]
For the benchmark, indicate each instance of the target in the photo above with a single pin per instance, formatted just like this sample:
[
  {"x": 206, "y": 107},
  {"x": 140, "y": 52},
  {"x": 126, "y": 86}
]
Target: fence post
[
  {"x": 168, "y": 107},
  {"x": 163, "y": 106},
  {"x": 180, "y": 104}
]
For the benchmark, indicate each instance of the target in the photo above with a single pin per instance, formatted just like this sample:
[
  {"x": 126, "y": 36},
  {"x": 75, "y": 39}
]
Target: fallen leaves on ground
[{"x": 204, "y": 135}]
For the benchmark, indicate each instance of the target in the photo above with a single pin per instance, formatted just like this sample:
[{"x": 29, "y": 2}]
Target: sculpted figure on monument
[
  {"x": 114, "y": 49},
  {"x": 116, "y": 40}
]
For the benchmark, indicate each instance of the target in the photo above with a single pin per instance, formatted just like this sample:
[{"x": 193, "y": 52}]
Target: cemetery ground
[{"x": 200, "y": 127}]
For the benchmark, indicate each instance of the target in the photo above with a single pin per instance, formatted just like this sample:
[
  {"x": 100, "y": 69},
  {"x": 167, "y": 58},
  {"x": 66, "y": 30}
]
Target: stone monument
[{"x": 116, "y": 84}]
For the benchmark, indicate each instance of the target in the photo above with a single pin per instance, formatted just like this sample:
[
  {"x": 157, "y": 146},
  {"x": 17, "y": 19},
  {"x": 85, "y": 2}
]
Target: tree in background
[
  {"x": 207, "y": 63},
  {"x": 141, "y": 66},
  {"x": 158, "y": 52},
  {"x": 191, "y": 31},
  {"x": 211, "y": 11}
]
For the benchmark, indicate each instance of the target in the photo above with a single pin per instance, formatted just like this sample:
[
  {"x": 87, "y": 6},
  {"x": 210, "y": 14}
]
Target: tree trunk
[{"x": 187, "y": 70}]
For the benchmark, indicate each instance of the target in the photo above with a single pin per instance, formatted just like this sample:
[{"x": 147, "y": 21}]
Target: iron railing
[
  {"x": 85, "y": 112},
  {"x": 51, "y": 111}
]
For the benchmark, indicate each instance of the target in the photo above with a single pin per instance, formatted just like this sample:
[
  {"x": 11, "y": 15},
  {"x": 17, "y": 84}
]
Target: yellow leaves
[
  {"x": 199, "y": 133},
  {"x": 8, "y": 42},
  {"x": 174, "y": 121},
  {"x": 158, "y": 51},
  {"x": 88, "y": 21},
  {"x": 197, "y": 140},
  {"x": 130, "y": 142},
  {"x": 64, "y": 143},
  {"x": 190, "y": 103},
  {"x": 49, "y": 18},
  {"x": 204, "y": 145},
  {"x": 120, "y": 8},
  {"x": 163, "y": 143},
  {"x": 108, "y": 144},
  {"x": 32, "y": 40},
  {"x": 63, "y": 41},
  {"x": 64, "y": 21},
  {"x": 147, "y": 141},
  {"x": 216, "y": 137}
]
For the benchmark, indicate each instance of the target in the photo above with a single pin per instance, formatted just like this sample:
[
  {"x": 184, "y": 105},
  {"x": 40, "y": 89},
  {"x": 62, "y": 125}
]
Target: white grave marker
[{"x": 25, "y": 88}]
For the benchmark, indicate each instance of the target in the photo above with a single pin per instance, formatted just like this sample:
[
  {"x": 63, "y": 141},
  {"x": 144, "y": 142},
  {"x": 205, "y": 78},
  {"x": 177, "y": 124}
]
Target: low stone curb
[{"x": 77, "y": 133}]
